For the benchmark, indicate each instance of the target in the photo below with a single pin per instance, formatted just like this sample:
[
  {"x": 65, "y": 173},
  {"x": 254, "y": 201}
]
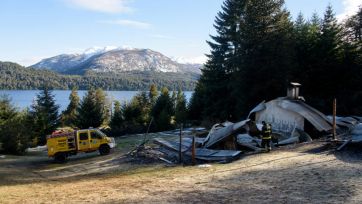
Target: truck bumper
[{"x": 112, "y": 144}]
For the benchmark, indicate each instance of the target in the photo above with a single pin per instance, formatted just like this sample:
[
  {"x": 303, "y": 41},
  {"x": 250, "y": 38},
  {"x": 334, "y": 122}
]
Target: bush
[
  {"x": 14, "y": 131},
  {"x": 15, "y": 135}
]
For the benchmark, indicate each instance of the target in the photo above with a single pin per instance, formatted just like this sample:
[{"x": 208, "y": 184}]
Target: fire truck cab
[{"x": 61, "y": 145}]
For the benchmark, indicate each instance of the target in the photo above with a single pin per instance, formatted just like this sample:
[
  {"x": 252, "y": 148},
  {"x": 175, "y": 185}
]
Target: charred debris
[{"x": 292, "y": 121}]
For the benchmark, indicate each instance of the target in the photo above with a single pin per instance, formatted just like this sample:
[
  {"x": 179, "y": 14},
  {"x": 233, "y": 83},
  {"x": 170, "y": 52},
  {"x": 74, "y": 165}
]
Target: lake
[{"x": 24, "y": 98}]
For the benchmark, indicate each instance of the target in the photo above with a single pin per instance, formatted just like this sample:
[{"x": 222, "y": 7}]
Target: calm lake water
[{"x": 24, "y": 98}]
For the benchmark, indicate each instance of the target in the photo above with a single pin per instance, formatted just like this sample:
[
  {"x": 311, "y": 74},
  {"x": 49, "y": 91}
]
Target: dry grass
[{"x": 304, "y": 174}]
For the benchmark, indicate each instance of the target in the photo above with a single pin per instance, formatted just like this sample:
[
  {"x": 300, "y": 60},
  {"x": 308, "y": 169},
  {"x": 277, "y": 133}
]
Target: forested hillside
[
  {"x": 14, "y": 76},
  {"x": 258, "y": 50}
]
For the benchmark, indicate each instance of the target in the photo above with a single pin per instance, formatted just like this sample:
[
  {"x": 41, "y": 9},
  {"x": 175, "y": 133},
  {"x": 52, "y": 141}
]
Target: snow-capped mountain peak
[
  {"x": 115, "y": 59},
  {"x": 98, "y": 50}
]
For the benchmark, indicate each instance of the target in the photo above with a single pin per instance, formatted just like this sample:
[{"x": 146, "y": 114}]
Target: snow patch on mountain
[{"x": 190, "y": 60}]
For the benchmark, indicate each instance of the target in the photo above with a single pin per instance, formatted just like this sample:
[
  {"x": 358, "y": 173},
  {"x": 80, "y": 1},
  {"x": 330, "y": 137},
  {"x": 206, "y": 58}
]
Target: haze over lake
[{"x": 24, "y": 98}]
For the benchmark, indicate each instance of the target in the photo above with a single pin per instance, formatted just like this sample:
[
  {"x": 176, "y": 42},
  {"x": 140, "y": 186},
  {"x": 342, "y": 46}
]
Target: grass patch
[{"x": 129, "y": 142}]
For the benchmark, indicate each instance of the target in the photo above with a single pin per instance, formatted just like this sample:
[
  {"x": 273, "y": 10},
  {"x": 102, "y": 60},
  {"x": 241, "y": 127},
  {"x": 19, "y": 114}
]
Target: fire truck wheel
[
  {"x": 104, "y": 150},
  {"x": 60, "y": 157}
]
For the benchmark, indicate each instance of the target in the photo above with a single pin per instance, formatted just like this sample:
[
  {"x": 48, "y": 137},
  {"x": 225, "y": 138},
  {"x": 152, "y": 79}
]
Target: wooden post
[
  {"x": 148, "y": 130},
  {"x": 334, "y": 119},
  {"x": 193, "y": 151},
  {"x": 180, "y": 146}
]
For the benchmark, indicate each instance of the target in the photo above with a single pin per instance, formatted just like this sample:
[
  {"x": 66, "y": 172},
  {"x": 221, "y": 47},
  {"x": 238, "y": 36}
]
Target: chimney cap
[{"x": 295, "y": 84}]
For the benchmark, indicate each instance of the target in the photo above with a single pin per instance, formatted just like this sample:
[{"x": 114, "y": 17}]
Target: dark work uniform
[{"x": 266, "y": 137}]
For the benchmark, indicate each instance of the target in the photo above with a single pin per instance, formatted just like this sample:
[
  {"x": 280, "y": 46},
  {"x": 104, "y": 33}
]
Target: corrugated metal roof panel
[
  {"x": 222, "y": 133},
  {"x": 316, "y": 118},
  {"x": 261, "y": 106}
]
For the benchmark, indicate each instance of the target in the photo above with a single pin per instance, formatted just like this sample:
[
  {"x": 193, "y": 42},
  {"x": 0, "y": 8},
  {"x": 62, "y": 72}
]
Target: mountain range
[
  {"x": 115, "y": 60},
  {"x": 17, "y": 77}
]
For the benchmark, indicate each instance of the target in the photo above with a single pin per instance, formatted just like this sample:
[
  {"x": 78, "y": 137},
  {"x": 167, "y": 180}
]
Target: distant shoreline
[{"x": 24, "y": 98}]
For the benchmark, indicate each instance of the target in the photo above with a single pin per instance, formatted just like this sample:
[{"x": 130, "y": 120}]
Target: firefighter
[{"x": 266, "y": 134}]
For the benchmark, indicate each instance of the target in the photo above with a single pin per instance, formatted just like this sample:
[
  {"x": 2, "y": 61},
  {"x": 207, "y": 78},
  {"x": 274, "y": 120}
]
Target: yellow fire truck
[{"x": 61, "y": 145}]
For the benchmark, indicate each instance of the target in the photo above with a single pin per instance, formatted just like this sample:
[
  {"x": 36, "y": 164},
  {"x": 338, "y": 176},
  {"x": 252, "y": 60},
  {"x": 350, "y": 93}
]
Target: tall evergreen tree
[
  {"x": 307, "y": 37},
  {"x": 162, "y": 111},
  {"x": 90, "y": 111},
  {"x": 136, "y": 113},
  {"x": 257, "y": 51},
  {"x": 322, "y": 82},
  {"x": 215, "y": 94},
  {"x": 353, "y": 27},
  {"x": 7, "y": 111},
  {"x": 331, "y": 37},
  {"x": 117, "y": 120},
  {"x": 16, "y": 136},
  {"x": 144, "y": 105},
  {"x": 352, "y": 61},
  {"x": 103, "y": 104},
  {"x": 45, "y": 114},
  {"x": 302, "y": 46},
  {"x": 70, "y": 114},
  {"x": 266, "y": 54},
  {"x": 174, "y": 99},
  {"x": 196, "y": 105},
  {"x": 252, "y": 58},
  {"x": 153, "y": 94},
  {"x": 180, "y": 110}
]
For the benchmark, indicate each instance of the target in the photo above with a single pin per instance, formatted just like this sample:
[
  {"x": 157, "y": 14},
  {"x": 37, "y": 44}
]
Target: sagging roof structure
[
  {"x": 217, "y": 135},
  {"x": 286, "y": 114},
  {"x": 289, "y": 116}
]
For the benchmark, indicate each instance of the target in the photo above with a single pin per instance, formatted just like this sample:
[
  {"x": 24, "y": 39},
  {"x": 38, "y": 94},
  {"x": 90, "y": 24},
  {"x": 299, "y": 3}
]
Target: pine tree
[
  {"x": 162, "y": 111},
  {"x": 324, "y": 62},
  {"x": 302, "y": 46},
  {"x": 6, "y": 109},
  {"x": 45, "y": 114},
  {"x": 103, "y": 104},
  {"x": 144, "y": 105},
  {"x": 174, "y": 99},
  {"x": 257, "y": 51},
  {"x": 180, "y": 110},
  {"x": 117, "y": 121},
  {"x": 331, "y": 37},
  {"x": 136, "y": 113},
  {"x": 153, "y": 94},
  {"x": 70, "y": 114},
  {"x": 351, "y": 95},
  {"x": 90, "y": 112},
  {"x": 215, "y": 95},
  {"x": 16, "y": 136},
  {"x": 266, "y": 54},
  {"x": 252, "y": 58},
  {"x": 307, "y": 37},
  {"x": 353, "y": 27},
  {"x": 196, "y": 105}
]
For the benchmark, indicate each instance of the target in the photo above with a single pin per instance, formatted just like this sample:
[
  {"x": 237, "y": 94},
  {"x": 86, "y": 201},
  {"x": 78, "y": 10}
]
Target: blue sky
[{"x": 36, "y": 29}]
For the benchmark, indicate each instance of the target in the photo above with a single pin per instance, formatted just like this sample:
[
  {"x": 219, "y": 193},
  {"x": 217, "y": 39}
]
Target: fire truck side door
[
  {"x": 83, "y": 140},
  {"x": 95, "y": 139}
]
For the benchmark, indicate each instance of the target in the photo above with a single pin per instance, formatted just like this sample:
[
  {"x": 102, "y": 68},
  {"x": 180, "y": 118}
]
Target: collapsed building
[
  {"x": 291, "y": 119},
  {"x": 286, "y": 114}
]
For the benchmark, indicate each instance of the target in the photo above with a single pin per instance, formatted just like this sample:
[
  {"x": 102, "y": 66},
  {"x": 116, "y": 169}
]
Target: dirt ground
[{"x": 310, "y": 173}]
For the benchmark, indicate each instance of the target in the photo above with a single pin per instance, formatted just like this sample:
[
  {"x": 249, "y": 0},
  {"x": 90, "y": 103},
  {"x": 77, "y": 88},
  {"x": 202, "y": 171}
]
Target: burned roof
[
  {"x": 315, "y": 117},
  {"x": 222, "y": 133}
]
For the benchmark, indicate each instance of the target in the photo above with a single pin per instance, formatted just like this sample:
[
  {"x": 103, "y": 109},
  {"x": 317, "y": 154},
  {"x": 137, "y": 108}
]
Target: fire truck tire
[
  {"x": 60, "y": 157},
  {"x": 104, "y": 149}
]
